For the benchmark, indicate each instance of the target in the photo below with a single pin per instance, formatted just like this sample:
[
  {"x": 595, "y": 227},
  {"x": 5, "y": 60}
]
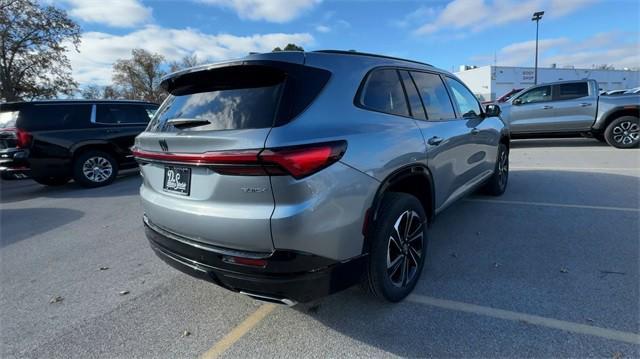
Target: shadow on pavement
[
  {"x": 558, "y": 142},
  {"x": 21, "y": 190},
  {"x": 541, "y": 260},
  {"x": 19, "y": 224}
]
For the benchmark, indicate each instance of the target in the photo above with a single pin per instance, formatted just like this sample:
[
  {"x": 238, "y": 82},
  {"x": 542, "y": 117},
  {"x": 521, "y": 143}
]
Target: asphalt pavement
[{"x": 550, "y": 269}]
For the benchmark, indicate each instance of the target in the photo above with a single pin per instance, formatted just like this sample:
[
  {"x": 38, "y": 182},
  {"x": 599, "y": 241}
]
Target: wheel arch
[
  {"x": 415, "y": 180},
  {"x": 105, "y": 146},
  {"x": 617, "y": 113}
]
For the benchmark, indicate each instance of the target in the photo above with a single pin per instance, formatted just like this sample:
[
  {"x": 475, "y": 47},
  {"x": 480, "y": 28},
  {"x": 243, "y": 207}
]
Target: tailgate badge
[
  {"x": 253, "y": 189},
  {"x": 163, "y": 145}
]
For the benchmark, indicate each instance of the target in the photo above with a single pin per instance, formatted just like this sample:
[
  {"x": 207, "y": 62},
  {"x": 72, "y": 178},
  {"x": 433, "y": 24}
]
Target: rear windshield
[
  {"x": 8, "y": 118},
  {"x": 258, "y": 95},
  {"x": 221, "y": 110}
]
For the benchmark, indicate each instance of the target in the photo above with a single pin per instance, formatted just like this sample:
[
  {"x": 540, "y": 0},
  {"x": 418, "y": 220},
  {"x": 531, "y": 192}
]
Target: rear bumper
[
  {"x": 287, "y": 276},
  {"x": 14, "y": 164}
]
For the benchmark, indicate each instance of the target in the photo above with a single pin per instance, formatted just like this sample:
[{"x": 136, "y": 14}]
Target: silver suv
[{"x": 288, "y": 176}]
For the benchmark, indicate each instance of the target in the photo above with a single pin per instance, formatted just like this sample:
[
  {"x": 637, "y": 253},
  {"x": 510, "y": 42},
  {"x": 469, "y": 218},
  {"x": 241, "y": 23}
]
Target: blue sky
[{"x": 447, "y": 34}]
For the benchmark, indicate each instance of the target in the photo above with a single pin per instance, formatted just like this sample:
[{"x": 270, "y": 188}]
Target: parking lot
[{"x": 549, "y": 269}]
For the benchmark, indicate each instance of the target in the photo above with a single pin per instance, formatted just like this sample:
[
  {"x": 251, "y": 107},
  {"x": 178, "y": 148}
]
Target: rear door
[
  {"x": 447, "y": 137},
  {"x": 532, "y": 111},
  {"x": 574, "y": 106},
  {"x": 224, "y": 115}
]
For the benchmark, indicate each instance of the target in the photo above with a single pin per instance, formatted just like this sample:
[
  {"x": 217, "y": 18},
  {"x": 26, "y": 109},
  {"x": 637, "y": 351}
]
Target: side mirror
[
  {"x": 517, "y": 101},
  {"x": 492, "y": 110}
]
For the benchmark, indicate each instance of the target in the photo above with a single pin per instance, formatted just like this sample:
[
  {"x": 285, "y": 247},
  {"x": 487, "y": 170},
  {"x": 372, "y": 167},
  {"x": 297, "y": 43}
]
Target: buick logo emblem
[{"x": 163, "y": 145}]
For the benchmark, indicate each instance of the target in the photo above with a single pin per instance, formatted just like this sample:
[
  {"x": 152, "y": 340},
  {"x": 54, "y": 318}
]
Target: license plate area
[{"x": 177, "y": 180}]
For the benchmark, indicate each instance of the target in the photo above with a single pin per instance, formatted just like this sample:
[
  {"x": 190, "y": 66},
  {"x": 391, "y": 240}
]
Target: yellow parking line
[
  {"x": 561, "y": 205},
  {"x": 239, "y": 331},
  {"x": 577, "y": 328}
]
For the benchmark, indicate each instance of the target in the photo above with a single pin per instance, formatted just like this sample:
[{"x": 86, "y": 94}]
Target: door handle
[
  {"x": 585, "y": 104},
  {"x": 547, "y": 107},
  {"x": 435, "y": 140},
  {"x": 475, "y": 131}
]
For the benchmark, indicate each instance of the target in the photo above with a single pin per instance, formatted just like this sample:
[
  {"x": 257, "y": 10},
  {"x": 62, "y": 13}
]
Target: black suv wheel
[
  {"x": 398, "y": 247},
  {"x": 623, "y": 132},
  {"x": 95, "y": 168}
]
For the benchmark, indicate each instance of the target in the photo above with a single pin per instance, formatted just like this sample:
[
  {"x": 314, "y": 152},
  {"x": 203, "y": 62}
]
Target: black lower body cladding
[{"x": 288, "y": 275}]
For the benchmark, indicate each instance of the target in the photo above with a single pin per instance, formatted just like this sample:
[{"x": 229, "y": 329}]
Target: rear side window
[
  {"x": 417, "y": 111},
  {"x": 121, "y": 114},
  {"x": 572, "y": 90},
  {"x": 467, "y": 102},
  {"x": 434, "y": 96},
  {"x": 49, "y": 117},
  {"x": 383, "y": 92}
]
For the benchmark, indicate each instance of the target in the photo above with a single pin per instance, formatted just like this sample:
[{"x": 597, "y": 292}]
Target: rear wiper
[{"x": 187, "y": 122}]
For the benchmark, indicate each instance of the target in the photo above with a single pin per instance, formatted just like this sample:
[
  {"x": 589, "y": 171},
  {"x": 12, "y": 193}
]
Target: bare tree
[
  {"x": 33, "y": 46},
  {"x": 184, "y": 63},
  {"x": 91, "y": 92},
  {"x": 138, "y": 78}
]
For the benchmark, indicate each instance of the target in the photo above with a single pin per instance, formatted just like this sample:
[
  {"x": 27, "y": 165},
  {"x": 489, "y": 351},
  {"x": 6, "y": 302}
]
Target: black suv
[{"x": 54, "y": 141}]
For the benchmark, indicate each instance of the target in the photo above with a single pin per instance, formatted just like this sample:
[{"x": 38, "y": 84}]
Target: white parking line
[
  {"x": 587, "y": 169},
  {"x": 577, "y": 328},
  {"x": 561, "y": 205}
]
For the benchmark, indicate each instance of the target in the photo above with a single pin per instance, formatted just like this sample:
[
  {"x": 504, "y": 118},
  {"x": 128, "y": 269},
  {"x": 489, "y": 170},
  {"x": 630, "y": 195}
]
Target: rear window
[
  {"x": 224, "y": 110},
  {"x": 383, "y": 92},
  {"x": 258, "y": 95},
  {"x": 434, "y": 96},
  {"x": 572, "y": 90},
  {"x": 49, "y": 117},
  {"x": 8, "y": 119},
  {"x": 121, "y": 114}
]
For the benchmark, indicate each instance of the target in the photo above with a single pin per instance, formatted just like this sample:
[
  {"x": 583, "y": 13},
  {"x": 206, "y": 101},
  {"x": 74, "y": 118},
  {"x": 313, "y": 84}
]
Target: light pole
[{"x": 536, "y": 17}]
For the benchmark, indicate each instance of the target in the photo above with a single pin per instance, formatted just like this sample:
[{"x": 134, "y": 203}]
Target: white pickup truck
[{"x": 569, "y": 108}]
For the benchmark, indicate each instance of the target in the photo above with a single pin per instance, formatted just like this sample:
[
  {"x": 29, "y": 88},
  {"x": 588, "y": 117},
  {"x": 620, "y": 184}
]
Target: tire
[
  {"x": 52, "y": 181},
  {"x": 395, "y": 264},
  {"x": 497, "y": 184},
  {"x": 94, "y": 169},
  {"x": 623, "y": 132}
]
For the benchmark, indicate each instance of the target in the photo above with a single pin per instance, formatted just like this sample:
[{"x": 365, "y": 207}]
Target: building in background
[{"x": 490, "y": 82}]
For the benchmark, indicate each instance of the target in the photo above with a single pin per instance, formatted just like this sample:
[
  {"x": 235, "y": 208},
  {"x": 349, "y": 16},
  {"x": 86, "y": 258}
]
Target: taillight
[
  {"x": 304, "y": 160},
  {"x": 23, "y": 138},
  {"x": 298, "y": 161}
]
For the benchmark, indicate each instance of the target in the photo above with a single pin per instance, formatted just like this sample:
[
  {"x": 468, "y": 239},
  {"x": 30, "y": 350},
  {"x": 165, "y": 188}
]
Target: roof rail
[{"x": 356, "y": 53}]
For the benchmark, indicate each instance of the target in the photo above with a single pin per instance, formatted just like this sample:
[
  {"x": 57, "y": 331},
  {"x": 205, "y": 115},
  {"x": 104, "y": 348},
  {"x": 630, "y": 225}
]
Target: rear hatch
[{"x": 199, "y": 154}]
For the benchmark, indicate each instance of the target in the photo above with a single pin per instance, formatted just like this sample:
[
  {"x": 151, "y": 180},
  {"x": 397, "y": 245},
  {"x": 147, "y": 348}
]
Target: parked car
[
  {"x": 505, "y": 97},
  {"x": 635, "y": 90},
  {"x": 54, "y": 141},
  {"x": 291, "y": 175},
  {"x": 615, "y": 92},
  {"x": 569, "y": 108}
]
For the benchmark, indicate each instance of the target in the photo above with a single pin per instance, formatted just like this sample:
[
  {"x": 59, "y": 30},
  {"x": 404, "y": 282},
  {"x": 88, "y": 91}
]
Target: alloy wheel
[
  {"x": 404, "y": 249},
  {"x": 626, "y": 133},
  {"x": 97, "y": 169},
  {"x": 503, "y": 168}
]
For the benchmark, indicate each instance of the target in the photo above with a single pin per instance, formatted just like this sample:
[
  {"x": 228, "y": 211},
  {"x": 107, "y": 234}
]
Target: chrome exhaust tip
[{"x": 270, "y": 299}]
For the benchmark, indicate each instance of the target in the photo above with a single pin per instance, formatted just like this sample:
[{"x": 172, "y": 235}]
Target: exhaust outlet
[{"x": 270, "y": 299}]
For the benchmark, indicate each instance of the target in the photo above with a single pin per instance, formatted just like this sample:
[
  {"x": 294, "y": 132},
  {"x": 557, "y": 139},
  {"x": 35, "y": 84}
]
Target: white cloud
[
  {"x": 323, "y": 28},
  {"x": 599, "y": 49},
  {"x": 116, "y": 13},
  {"x": 476, "y": 15},
  {"x": 270, "y": 10},
  {"x": 98, "y": 51}
]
